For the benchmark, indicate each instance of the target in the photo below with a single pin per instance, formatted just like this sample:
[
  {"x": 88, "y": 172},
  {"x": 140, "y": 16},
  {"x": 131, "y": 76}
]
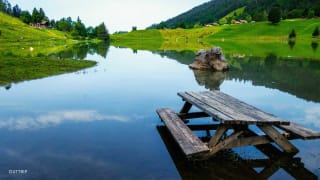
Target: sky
[{"x": 118, "y": 15}]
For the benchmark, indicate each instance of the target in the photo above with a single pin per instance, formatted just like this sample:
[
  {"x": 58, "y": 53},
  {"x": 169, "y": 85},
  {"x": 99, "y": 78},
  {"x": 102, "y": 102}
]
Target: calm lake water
[{"x": 100, "y": 123}]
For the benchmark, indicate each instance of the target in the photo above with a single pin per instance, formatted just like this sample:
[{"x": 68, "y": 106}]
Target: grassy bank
[
  {"x": 24, "y": 52},
  {"x": 143, "y": 39},
  {"x": 266, "y": 32},
  {"x": 252, "y": 39},
  {"x": 16, "y": 69}
]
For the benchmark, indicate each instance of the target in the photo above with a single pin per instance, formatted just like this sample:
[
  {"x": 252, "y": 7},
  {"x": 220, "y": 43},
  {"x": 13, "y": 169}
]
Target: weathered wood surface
[
  {"x": 190, "y": 144},
  {"x": 229, "y": 110},
  {"x": 217, "y": 136},
  {"x": 222, "y": 144},
  {"x": 192, "y": 115},
  {"x": 278, "y": 138},
  {"x": 300, "y": 131}
]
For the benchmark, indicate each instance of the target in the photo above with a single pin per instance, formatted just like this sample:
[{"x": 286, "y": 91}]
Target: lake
[{"x": 100, "y": 123}]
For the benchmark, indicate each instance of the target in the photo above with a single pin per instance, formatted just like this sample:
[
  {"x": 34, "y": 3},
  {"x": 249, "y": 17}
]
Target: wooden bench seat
[
  {"x": 190, "y": 144},
  {"x": 299, "y": 131}
]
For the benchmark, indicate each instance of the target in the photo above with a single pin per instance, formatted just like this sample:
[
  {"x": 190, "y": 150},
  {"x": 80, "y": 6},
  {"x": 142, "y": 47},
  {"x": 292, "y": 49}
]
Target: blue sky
[{"x": 117, "y": 14}]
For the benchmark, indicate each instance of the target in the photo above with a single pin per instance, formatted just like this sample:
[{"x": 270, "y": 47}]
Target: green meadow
[
  {"x": 24, "y": 52},
  {"x": 252, "y": 39}
]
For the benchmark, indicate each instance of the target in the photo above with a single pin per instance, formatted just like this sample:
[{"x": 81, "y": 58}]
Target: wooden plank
[
  {"x": 268, "y": 171},
  {"x": 248, "y": 141},
  {"x": 278, "y": 138},
  {"x": 193, "y": 115},
  {"x": 268, "y": 149},
  {"x": 220, "y": 107},
  {"x": 300, "y": 131},
  {"x": 244, "y": 108},
  {"x": 217, "y": 136},
  {"x": 190, "y": 144},
  {"x": 238, "y": 117},
  {"x": 202, "y": 127},
  {"x": 222, "y": 144},
  {"x": 207, "y": 109}
]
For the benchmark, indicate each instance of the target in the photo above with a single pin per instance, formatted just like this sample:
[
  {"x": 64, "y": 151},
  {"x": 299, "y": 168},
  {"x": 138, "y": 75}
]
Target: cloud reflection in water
[
  {"x": 57, "y": 117},
  {"x": 313, "y": 116}
]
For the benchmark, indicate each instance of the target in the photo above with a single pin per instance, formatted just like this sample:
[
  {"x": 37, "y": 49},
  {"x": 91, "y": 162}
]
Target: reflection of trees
[
  {"x": 80, "y": 51},
  {"x": 102, "y": 49},
  {"x": 184, "y": 57},
  {"x": 297, "y": 77},
  {"x": 314, "y": 46},
  {"x": 291, "y": 43}
]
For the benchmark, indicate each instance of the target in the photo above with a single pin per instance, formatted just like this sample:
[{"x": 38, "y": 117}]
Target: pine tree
[
  {"x": 16, "y": 11},
  {"x": 102, "y": 32},
  {"x": 36, "y": 17},
  {"x": 91, "y": 32},
  {"x": 26, "y": 17},
  {"x": 316, "y": 32},
  {"x": 292, "y": 34},
  {"x": 41, "y": 14},
  {"x": 274, "y": 15}
]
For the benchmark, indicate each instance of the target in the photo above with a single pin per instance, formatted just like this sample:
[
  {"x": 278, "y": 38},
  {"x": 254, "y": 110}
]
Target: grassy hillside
[
  {"x": 24, "y": 50},
  {"x": 254, "y": 39},
  {"x": 171, "y": 39},
  {"x": 236, "y": 14},
  {"x": 18, "y": 38},
  {"x": 205, "y": 13},
  {"x": 142, "y": 39},
  {"x": 256, "y": 10},
  {"x": 264, "y": 31}
]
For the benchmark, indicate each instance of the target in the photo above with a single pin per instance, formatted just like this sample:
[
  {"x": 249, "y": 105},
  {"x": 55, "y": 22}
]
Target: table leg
[
  {"x": 186, "y": 107},
  {"x": 278, "y": 138}
]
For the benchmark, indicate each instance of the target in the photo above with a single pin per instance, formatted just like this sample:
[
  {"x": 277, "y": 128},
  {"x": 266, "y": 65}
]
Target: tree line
[{"x": 77, "y": 28}]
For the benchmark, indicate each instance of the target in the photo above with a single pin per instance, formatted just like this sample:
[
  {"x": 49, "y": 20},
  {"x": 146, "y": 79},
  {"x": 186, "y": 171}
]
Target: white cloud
[{"x": 56, "y": 118}]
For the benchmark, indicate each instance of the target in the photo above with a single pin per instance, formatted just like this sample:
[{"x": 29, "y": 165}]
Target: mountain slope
[
  {"x": 205, "y": 13},
  {"x": 256, "y": 10}
]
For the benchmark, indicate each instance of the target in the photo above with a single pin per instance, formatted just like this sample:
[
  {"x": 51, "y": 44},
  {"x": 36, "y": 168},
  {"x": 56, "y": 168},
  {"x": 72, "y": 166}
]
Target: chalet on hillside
[
  {"x": 43, "y": 24},
  {"x": 212, "y": 24}
]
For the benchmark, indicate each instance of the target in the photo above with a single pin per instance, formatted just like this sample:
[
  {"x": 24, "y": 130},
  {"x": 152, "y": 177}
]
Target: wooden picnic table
[{"x": 232, "y": 115}]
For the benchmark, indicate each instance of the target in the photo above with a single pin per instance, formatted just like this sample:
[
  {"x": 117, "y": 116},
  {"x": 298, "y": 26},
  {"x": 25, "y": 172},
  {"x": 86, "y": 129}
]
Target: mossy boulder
[{"x": 212, "y": 59}]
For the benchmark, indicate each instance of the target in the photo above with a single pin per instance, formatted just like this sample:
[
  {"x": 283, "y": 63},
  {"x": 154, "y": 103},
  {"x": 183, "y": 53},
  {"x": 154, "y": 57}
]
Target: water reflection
[
  {"x": 229, "y": 165},
  {"x": 299, "y": 77},
  {"x": 209, "y": 79},
  {"x": 314, "y": 46},
  {"x": 57, "y": 117},
  {"x": 291, "y": 43},
  {"x": 184, "y": 57},
  {"x": 81, "y": 51},
  {"x": 295, "y": 76},
  {"x": 8, "y": 86}
]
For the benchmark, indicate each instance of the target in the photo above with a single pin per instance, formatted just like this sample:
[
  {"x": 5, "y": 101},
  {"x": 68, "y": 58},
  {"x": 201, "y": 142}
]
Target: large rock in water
[{"x": 210, "y": 59}]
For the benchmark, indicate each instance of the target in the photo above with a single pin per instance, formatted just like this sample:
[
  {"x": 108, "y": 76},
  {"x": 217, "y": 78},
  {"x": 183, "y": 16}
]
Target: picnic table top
[{"x": 229, "y": 110}]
